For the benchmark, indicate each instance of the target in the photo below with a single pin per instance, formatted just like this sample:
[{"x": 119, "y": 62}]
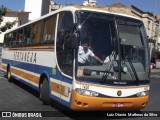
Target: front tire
[{"x": 44, "y": 92}]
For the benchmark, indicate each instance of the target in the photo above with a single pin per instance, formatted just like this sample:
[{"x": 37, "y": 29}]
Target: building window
[
  {"x": 149, "y": 22},
  {"x": 20, "y": 22}
]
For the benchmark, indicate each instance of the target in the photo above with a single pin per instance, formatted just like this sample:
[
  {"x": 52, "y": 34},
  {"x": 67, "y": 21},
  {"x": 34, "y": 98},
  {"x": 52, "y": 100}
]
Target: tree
[{"x": 7, "y": 25}]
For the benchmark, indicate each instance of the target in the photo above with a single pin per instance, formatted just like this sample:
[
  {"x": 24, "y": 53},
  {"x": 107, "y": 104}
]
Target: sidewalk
[{"x": 155, "y": 70}]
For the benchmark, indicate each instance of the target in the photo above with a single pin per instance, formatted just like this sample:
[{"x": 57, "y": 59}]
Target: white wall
[{"x": 33, "y": 6}]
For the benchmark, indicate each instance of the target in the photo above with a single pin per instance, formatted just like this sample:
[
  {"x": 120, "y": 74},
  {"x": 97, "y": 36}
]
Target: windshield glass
[
  {"x": 98, "y": 55},
  {"x": 134, "y": 52}
]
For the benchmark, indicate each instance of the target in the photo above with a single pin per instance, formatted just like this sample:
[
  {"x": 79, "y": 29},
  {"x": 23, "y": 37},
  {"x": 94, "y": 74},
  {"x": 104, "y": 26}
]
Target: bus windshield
[{"x": 98, "y": 55}]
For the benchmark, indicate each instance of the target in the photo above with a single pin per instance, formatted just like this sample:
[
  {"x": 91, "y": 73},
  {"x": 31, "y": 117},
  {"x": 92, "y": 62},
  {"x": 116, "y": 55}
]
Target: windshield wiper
[
  {"x": 109, "y": 66},
  {"x": 131, "y": 64},
  {"x": 133, "y": 69}
]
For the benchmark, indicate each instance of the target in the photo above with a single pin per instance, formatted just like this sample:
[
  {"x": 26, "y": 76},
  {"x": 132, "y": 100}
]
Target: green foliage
[
  {"x": 3, "y": 28},
  {"x": 2, "y": 13},
  {"x": 8, "y": 25},
  {"x": 3, "y": 10}
]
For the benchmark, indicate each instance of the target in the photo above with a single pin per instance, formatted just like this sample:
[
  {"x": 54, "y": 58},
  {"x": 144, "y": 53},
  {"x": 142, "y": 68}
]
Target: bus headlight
[
  {"x": 86, "y": 92},
  {"x": 144, "y": 93}
]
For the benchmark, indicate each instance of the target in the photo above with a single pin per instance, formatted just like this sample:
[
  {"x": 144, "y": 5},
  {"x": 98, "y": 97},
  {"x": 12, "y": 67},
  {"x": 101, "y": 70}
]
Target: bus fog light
[{"x": 86, "y": 92}]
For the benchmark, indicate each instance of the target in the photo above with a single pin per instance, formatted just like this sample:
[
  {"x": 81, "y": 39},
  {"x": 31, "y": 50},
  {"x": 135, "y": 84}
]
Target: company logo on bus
[{"x": 119, "y": 93}]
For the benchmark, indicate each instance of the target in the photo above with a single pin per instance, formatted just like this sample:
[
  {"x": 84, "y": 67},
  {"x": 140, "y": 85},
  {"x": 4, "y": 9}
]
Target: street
[{"x": 14, "y": 96}]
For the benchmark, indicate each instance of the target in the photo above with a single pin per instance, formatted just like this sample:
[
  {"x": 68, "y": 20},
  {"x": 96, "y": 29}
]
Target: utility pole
[{"x": 155, "y": 7}]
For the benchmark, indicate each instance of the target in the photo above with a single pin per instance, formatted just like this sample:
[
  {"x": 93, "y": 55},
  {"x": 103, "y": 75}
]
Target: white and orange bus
[{"x": 43, "y": 54}]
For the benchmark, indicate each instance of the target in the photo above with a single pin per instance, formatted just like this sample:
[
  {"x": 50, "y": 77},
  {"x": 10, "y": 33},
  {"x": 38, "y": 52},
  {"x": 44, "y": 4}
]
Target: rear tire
[
  {"x": 44, "y": 92},
  {"x": 9, "y": 74}
]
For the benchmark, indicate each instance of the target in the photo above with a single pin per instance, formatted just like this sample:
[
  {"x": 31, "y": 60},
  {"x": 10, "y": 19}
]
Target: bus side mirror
[{"x": 74, "y": 41}]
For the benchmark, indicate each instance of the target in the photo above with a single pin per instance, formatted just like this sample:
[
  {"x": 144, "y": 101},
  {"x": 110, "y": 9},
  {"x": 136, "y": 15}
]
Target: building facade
[
  {"x": 37, "y": 8},
  {"x": 150, "y": 22},
  {"x": 20, "y": 16},
  {"x": 158, "y": 32}
]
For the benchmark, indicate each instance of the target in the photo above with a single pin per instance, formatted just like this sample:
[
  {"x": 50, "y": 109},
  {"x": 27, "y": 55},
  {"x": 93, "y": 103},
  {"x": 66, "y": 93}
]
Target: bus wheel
[
  {"x": 9, "y": 74},
  {"x": 44, "y": 92}
]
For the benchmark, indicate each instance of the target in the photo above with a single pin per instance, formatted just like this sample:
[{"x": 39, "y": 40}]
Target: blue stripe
[
  {"x": 27, "y": 66},
  {"x": 54, "y": 97},
  {"x": 67, "y": 104},
  {"x": 38, "y": 69}
]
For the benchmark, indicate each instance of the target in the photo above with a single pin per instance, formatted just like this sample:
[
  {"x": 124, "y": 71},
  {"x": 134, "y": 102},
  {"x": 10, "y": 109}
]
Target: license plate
[{"x": 117, "y": 105}]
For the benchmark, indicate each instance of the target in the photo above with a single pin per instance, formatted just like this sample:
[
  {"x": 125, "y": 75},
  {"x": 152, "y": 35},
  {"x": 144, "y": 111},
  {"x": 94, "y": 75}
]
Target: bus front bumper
[{"x": 80, "y": 102}]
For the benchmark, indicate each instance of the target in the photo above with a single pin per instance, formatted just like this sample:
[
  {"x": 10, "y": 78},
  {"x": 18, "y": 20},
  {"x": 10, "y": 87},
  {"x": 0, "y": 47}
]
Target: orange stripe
[
  {"x": 49, "y": 46},
  {"x": 35, "y": 50},
  {"x": 56, "y": 87},
  {"x": 25, "y": 75},
  {"x": 59, "y": 88},
  {"x": 4, "y": 67}
]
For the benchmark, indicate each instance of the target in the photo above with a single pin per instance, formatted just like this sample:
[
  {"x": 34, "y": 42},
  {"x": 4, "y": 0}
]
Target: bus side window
[
  {"x": 64, "y": 55},
  {"x": 27, "y": 35},
  {"x": 14, "y": 39},
  {"x": 19, "y": 37},
  {"x": 49, "y": 29},
  {"x": 36, "y": 33},
  {"x": 10, "y": 39},
  {"x": 6, "y": 40}
]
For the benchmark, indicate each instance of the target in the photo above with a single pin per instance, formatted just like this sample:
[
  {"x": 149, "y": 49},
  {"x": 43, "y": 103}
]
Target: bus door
[{"x": 64, "y": 55}]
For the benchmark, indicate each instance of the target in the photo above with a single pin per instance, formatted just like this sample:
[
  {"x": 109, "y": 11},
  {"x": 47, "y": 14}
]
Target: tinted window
[
  {"x": 36, "y": 35},
  {"x": 27, "y": 35},
  {"x": 49, "y": 29},
  {"x": 19, "y": 37},
  {"x": 64, "y": 55}
]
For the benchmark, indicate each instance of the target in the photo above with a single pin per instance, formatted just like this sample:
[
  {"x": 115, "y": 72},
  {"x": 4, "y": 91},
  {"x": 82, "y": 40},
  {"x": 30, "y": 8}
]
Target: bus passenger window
[
  {"x": 49, "y": 29},
  {"x": 27, "y": 35},
  {"x": 19, "y": 37},
  {"x": 14, "y": 39},
  {"x": 6, "y": 40},
  {"x": 36, "y": 35},
  {"x": 10, "y": 37}
]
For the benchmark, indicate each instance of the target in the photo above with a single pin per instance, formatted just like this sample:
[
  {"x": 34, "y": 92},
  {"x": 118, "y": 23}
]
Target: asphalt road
[{"x": 14, "y": 96}]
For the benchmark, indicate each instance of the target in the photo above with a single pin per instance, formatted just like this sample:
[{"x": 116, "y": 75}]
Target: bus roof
[{"x": 75, "y": 8}]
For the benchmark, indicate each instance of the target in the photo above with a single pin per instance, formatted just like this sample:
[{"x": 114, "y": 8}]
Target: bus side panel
[
  {"x": 61, "y": 88},
  {"x": 28, "y": 70},
  {"x": 27, "y": 65}
]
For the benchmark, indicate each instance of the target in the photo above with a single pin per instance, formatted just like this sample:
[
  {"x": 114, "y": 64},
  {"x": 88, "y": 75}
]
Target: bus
[{"x": 43, "y": 54}]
